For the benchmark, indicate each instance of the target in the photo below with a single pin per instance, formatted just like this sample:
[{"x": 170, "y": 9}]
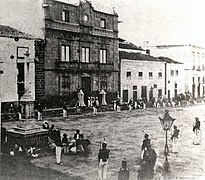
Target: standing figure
[
  {"x": 114, "y": 105},
  {"x": 77, "y": 139},
  {"x": 40, "y": 110},
  {"x": 103, "y": 157},
  {"x": 65, "y": 112},
  {"x": 130, "y": 105},
  {"x": 174, "y": 139},
  {"x": 65, "y": 144},
  {"x": 145, "y": 144},
  {"x": 58, "y": 143},
  {"x": 196, "y": 129},
  {"x": 124, "y": 172},
  {"x": 89, "y": 102},
  {"x": 97, "y": 101},
  {"x": 148, "y": 163}
]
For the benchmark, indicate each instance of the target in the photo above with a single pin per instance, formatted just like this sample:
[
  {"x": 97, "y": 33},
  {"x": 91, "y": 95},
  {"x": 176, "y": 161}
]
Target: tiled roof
[
  {"x": 128, "y": 45},
  {"x": 168, "y": 60},
  {"x": 7, "y": 31},
  {"x": 137, "y": 56}
]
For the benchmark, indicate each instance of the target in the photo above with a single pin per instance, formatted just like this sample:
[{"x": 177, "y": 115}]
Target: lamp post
[{"x": 166, "y": 123}]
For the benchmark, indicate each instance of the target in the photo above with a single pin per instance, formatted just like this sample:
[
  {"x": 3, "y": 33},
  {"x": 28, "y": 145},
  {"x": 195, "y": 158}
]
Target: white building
[
  {"x": 144, "y": 77},
  {"x": 17, "y": 84},
  {"x": 193, "y": 58}
]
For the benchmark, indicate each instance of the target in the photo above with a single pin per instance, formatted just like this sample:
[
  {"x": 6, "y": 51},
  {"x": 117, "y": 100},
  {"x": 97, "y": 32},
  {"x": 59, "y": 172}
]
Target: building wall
[
  {"x": 78, "y": 33},
  {"x": 8, "y": 49},
  {"x": 175, "y": 79},
  {"x": 135, "y": 66},
  {"x": 194, "y": 64}
]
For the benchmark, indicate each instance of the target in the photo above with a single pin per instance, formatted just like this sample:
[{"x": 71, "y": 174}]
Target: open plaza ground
[{"x": 124, "y": 131}]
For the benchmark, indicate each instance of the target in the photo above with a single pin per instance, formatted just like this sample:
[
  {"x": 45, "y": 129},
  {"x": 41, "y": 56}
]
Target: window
[
  {"x": 175, "y": 85},
  {"x": 64, "y": 84},
  {"x": 177, "y": 72},
  {"x": 125, "y": 96},
  {"x": 150, "y": 75},
  {"x": 65, "y": 53},
  {"x": 102, "y": 23},
  {"x": 160, "y": 75},
  {"x": 155, "y": 85},
  {"x": 85, "y": 54},
  {"x": 140, "y": 74},
  {"x": 103, "y": 56},
  {"x": 103, "y": 82},
  {"x": 65, "y": 16},
  {"x": 134, "y": 87},
  {"x": 128, "y": 74},
  {"x": 22, "y": 52},
  {"x": 172, "y": 72}
]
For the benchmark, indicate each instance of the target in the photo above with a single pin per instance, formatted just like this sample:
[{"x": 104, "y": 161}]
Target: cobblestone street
[{"x": 123, "y": 132}]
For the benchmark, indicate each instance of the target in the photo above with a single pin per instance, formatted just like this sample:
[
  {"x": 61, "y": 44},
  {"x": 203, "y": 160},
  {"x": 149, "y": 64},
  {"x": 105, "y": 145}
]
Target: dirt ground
[{"x": 124, "y": 133}]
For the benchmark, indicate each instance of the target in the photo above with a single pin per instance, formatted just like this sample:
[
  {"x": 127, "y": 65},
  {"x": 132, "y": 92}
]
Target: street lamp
[{"x": 166, "y": 123}]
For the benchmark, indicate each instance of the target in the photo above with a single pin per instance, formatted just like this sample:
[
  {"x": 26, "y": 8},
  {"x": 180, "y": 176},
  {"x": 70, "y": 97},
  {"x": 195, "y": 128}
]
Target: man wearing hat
[
  {"x": 174, "y": 139},
  {"x": 103, "y": 161}
]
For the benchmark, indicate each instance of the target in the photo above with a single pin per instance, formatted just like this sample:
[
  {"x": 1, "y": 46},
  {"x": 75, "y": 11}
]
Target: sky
[
  {"x": 154, "y": 21},
  {"x": 161, "y": 21}
]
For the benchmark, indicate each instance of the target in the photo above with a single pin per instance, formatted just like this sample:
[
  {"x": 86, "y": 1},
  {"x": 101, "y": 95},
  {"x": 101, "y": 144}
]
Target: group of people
[{"x": 78, "y": 145}]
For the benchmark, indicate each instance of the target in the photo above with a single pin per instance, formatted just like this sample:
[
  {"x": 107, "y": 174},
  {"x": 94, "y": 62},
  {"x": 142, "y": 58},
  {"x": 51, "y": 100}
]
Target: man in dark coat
[{"x": 103, "y": 157}]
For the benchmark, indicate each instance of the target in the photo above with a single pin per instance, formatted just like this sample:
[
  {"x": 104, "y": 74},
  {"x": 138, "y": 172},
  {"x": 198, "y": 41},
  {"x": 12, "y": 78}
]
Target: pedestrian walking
[
  {"x": 103, "y": 157},
  {"x": 197, "y": 131},
  {"x": 174, "y": 139}
]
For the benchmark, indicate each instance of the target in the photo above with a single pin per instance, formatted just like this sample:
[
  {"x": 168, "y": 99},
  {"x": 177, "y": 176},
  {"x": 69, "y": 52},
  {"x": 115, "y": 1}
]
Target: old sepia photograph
[{"x": 102, "y": 89}]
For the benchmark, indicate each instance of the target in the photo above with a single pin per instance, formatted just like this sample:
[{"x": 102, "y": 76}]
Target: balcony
[
  {"x": 66, "y": 26},
  {"x": 84, "y": 67},
  {"x": 61, "y": 25},
  {"x": 63, "y": 65}
]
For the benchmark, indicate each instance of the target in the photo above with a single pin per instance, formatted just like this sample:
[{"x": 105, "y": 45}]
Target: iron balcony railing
[{"x": 85, "y": 67}]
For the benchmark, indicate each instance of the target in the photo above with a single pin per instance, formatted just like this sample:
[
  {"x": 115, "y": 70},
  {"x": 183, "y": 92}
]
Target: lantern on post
[{"x": 166, "y": 123}]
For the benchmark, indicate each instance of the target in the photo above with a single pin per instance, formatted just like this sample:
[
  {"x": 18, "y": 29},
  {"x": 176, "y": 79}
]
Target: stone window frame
[
  {"x": 65, "y": 53},
  {"x": 103, "y": 82},
  {"x": 103, "y": 56},
  {"x": 150, "y": 75},
  {"x": 65, "y": 84},
  {"x": 128, "y": 74},
  {"x": 140, "y": 74},
  {"x": 85, "y": 54},
  {"x": 159, "y": 74},
  {"x": 103, "y": 23},
  {"x": 65, "y": 15}
]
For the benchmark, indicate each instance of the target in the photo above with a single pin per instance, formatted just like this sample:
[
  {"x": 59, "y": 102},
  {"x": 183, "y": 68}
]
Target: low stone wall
[{"x": 57, "y": 112}]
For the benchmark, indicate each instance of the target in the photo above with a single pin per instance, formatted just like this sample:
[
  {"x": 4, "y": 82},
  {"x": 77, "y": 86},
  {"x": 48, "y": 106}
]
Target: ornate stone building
[{"x": 81, "y": 49}]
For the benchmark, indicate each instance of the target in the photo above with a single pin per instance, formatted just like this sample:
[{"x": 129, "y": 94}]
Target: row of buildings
[{"x": 80, "y": 49}]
